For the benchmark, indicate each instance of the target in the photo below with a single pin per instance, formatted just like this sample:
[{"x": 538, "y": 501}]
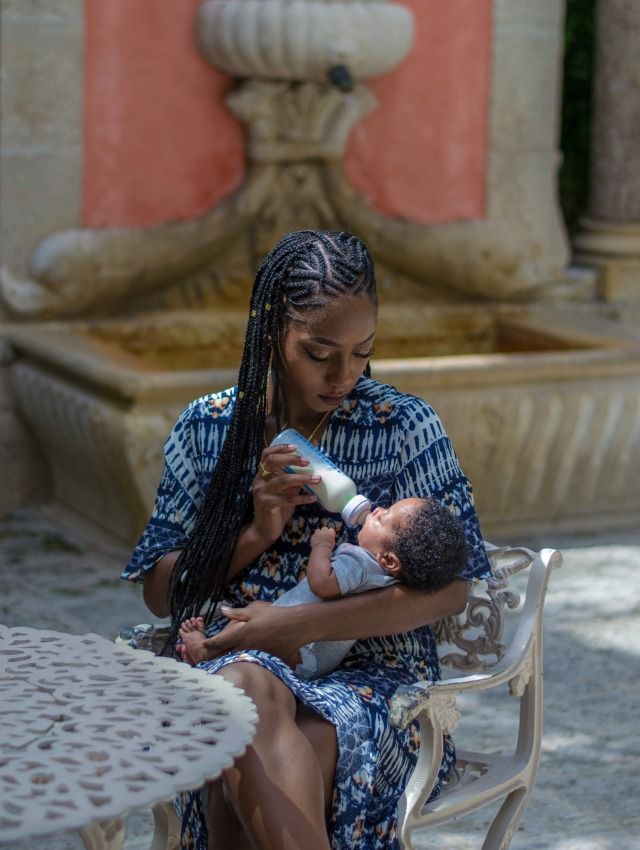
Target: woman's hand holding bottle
[{"x": 276, "y": 493}]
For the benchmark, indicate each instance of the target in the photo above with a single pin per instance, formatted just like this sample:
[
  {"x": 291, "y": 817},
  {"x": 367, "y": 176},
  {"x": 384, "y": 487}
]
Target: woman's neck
[
  {"x": 310, "y": 423},
  {"x": 311, "y": 426}
]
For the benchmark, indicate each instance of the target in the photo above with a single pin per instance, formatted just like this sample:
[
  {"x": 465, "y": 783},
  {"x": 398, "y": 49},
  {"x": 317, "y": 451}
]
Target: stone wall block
[
  {"x": 41, "y": 194},
  {"x": 523, "y": 191},
  {"x": 524, "y": 90},
  {"x": 42, "y": 60},
  {"x": 39, "y": 96},
  {"x": 23, "y": 476},
  {"x": 42, "y": 8},
  {"x": 523, "y": 155}
]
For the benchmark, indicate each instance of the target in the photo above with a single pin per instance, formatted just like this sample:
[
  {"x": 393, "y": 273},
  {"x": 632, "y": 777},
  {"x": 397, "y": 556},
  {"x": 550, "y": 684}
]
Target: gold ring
[{"x": 264, "y": 472}]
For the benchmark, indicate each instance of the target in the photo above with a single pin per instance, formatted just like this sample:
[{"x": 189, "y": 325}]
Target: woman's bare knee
[{"x": 269, "y": 694}]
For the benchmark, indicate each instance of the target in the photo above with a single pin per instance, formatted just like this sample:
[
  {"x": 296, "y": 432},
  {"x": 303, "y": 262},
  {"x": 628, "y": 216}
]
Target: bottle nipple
[{"x": 356, "y": 510}]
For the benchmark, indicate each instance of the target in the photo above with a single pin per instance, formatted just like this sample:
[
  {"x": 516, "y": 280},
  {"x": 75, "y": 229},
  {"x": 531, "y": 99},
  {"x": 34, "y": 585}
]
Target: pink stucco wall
[
  {"x": 159, "y": 142},
  {"x": 422, "y": 154}
]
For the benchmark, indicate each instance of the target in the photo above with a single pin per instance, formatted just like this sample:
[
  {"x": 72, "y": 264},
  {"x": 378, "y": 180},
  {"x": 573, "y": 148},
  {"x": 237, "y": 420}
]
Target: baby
[{"x": 416, "y": 541}]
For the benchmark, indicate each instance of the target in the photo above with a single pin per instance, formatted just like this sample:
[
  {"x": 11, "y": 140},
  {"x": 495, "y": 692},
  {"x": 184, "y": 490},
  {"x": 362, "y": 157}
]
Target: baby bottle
[{"x": 336, "y": 491}]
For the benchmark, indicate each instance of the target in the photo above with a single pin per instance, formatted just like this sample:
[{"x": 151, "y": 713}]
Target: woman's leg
[
  {"x": 224, "y": 828},
  {"x": 322, "y": 736},
  {"x": 279, "y": 787}
]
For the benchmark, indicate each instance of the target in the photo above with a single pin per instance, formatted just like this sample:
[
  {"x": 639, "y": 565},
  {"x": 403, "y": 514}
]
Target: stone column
[{"x": 610, "y": 234}]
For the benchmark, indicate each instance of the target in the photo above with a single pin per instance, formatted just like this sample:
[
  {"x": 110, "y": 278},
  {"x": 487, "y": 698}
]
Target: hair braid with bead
[{"x": 299, "y": 276}]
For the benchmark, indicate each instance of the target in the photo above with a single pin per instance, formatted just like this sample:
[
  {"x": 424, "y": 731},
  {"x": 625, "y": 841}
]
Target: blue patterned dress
[{"x": 393, "y": 446}]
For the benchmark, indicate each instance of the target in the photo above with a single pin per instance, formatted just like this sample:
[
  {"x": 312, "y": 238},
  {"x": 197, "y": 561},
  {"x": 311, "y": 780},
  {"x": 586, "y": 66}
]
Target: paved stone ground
[{"x": 588, "y": 791}]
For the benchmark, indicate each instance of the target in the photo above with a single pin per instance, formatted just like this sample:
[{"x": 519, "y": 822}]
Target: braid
[{"x": 302, "y": 272}]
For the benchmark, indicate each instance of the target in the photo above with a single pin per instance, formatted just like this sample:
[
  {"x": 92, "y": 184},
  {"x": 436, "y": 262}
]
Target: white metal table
[{"x": 90, "y": 730}]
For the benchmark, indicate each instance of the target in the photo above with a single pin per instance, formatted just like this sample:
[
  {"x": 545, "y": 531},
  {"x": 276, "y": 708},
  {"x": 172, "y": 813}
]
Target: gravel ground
[{"x": 587, "y": 796}]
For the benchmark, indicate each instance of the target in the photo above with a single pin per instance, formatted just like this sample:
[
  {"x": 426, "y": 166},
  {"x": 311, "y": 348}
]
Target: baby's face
[{"x": 380, "y": 527}]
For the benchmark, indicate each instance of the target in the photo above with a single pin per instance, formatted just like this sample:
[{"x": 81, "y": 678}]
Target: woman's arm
[
  {"x": 384, "y": 612},
  {"x": 275, "y": 499},
  {"x": 283, "y": 630},
  {"x": 155, "y": 584},
  {"x": 155, "y": 589}
]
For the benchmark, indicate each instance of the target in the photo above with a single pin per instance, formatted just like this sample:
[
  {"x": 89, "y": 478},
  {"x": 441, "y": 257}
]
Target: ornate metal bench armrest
[
  {"x": 144, "y": 636},
  {"x": 437, "y": 699},
  {"x": 410, "y": 700}
]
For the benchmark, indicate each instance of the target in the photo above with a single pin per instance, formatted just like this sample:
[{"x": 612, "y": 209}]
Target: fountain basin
[
  {"x": 542, "y": 405},
  {"x": 303, "y": 39}
]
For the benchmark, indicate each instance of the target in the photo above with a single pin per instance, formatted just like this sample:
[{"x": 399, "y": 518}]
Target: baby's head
[{"x": 418, "y": 541}]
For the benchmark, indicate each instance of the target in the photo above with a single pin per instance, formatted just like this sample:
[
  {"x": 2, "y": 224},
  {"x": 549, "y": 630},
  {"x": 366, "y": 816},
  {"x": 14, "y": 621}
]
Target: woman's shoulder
[
  {"x": 203, "y": 418},
  {"x": 376, "y": 401},
  {"x": 201, "y": 427},
  {"x": 218, "y": 405}
]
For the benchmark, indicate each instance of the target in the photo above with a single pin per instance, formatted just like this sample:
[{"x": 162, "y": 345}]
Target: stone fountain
[{"x": 118, "y": 329}]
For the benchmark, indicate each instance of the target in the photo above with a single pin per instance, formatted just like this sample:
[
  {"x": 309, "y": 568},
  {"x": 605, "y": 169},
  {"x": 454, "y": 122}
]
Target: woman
[{"x": 325, "y": 769}]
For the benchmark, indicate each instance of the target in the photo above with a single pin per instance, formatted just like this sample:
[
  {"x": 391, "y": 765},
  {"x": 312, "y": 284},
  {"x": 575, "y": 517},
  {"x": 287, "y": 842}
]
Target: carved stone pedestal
[{"x": 614, "y": 248}]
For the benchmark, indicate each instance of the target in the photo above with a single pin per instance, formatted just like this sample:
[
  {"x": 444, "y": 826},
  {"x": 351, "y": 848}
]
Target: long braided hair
[{"x": 299, "y": 275}]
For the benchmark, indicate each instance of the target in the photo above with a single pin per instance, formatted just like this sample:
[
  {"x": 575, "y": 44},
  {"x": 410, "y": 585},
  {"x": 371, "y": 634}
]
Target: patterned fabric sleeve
[
  {"x": 176, "y": 501},
  {"x": 429, "y": 468}
]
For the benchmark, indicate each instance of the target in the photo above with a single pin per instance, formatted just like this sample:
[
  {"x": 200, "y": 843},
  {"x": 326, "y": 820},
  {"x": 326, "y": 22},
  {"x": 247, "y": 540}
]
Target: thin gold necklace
[
  {"x": 318, "y": 426},
  {"x": 320, "y": 423}
]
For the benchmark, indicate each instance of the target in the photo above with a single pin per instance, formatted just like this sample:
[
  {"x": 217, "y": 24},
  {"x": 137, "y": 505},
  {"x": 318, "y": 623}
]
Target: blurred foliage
[{"x": 576, "y": 108}]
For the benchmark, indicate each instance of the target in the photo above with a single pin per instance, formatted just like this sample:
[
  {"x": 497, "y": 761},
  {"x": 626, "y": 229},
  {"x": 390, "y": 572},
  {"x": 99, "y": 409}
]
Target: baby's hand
[{"x": 323, "y": 537}]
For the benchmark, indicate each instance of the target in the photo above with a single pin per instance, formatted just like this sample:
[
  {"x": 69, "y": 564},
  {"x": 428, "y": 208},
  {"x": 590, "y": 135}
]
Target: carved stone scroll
[{"x": 77, "y": 272}]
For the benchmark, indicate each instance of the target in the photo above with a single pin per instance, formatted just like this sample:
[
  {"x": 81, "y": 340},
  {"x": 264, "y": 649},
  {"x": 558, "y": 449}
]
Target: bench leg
[
  {"x": 166, "y": 828},
  {"x": 103, "y": 835},
  {"x": 506, "y": 821}
]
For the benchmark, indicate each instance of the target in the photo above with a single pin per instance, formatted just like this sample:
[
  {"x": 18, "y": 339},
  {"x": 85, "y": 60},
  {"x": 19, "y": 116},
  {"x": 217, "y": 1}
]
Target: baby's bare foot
[
  {"x": 192, "y": 636},
  {"x": 193, "y": 624}
]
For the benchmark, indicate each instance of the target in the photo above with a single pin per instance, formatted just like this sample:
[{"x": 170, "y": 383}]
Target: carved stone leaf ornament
[
  {"x": 294, "y": 123},
  {"x": 90, "y": 729}
]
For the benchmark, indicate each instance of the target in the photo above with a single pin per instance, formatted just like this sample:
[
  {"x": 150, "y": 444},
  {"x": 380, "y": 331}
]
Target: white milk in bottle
[{"x": 336, "y": 491}]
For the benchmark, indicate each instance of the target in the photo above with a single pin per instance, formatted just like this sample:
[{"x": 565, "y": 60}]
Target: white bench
[
  {"x": 476, "y": 647},
  {"x": 473, "y": 644}
]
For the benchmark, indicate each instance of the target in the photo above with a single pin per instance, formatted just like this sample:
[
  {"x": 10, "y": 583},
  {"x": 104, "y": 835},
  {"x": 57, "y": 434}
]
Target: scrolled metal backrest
[{"x": 478, "y": 631}]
